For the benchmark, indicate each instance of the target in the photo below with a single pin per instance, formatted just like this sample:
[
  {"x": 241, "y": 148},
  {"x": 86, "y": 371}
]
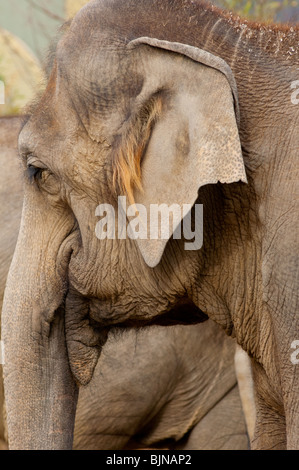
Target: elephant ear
[{"x": 193, "y": 137}]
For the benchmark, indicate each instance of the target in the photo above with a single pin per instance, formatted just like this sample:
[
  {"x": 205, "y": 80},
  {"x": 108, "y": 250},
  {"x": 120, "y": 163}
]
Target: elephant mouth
[
  {"x": 183, "y": 312},
  {"x": 87, "y": 329}
]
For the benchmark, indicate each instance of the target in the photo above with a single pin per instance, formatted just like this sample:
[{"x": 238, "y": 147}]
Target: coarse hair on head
[{"x": 130, "y": 148}]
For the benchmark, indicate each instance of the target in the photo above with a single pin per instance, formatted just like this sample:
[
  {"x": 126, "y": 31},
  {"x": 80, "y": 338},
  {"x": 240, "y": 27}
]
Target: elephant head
[{"x": 125, "y": 113}]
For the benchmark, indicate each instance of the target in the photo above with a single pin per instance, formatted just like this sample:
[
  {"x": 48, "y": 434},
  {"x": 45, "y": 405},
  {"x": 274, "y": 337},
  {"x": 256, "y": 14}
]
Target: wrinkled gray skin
[
  {"x": 180, "y": 396},
  {"x": 137, "y": 399},
  {"x": 65, "y": 287}
]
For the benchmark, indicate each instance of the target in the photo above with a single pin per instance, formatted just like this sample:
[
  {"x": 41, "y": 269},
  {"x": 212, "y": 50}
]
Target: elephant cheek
[{"x": 84, "y": 338}]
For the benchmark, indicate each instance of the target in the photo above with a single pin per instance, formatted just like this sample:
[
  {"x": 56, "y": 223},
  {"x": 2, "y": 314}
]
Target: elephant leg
[{"x": 270, "y": 426}]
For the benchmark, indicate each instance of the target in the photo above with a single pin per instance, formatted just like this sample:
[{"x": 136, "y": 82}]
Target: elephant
[
  {"x": 156, "y": 103},
  {"x": 184, "y": 407},
  {"x": 180, "y": 396}
]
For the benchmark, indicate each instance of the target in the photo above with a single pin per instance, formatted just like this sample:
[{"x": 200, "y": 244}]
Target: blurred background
[{"x": 28, "y": 26}]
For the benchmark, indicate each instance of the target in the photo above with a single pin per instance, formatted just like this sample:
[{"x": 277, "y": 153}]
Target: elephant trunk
[{"x": 40, "y": 391}]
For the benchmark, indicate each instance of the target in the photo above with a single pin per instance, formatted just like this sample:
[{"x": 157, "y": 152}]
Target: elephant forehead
[
  {"x": 94, "y": 67},
  {"x": 100, "y": 83}
]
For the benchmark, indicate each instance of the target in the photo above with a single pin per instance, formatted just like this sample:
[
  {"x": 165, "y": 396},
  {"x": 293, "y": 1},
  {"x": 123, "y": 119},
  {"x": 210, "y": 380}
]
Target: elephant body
[
  {"x": 187, "y": 107},
  {"x": 182, "y": 395}
]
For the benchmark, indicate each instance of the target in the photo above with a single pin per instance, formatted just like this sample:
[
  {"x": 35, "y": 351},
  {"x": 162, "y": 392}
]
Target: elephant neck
[
  {"x": 264, "y": 58},
  {"x": 246, "y": 44},
  {"x": 265, "y": 63}
]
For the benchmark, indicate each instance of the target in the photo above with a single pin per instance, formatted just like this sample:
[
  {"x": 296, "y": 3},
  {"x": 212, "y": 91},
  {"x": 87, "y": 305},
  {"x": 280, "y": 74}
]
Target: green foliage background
[{"x": 262, "y": 10}]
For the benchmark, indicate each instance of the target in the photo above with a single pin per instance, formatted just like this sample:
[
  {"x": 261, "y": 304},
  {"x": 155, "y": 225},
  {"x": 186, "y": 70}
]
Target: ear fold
[{"x": 194, "y": 141}]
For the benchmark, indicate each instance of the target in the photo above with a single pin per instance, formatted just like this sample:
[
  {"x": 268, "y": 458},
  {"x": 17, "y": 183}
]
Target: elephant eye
[
  {"x": 43, "y": 178},
  {"x": 34, "y": 172}
]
